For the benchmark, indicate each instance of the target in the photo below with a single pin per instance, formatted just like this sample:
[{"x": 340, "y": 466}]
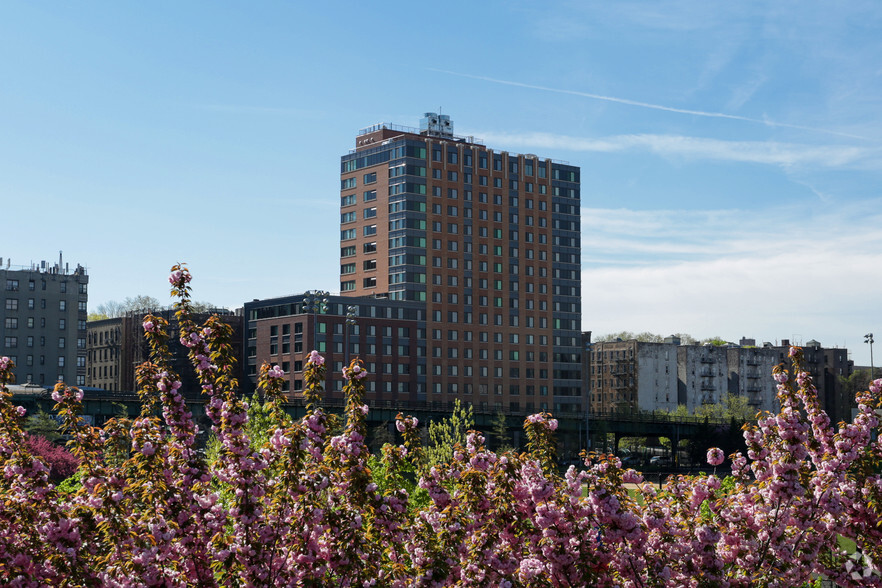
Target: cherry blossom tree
[{"x": 299, "y": 506}]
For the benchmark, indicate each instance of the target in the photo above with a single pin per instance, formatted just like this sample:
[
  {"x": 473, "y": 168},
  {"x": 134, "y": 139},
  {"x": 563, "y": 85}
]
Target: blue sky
[{"x": 731, "y": 154}]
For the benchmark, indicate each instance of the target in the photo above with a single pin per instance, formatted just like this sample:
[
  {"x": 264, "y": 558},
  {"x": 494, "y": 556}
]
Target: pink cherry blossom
[
  {"x": 715, "y": 456},
  {"x": 286, "y": 502}
]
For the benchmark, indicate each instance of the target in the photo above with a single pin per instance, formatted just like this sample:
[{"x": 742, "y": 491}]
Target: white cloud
[
  {"x": 786, "y": 155},
  {"x": 739, "y": 273},
  {"x": 652, "y": 106}
]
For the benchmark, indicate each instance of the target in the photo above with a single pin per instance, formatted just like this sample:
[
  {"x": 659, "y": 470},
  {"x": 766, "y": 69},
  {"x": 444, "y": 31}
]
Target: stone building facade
[
  {"x": 116, "y": 347},
  {"x": 43, "y": 326},
  {"x": 635, "y": 376}
]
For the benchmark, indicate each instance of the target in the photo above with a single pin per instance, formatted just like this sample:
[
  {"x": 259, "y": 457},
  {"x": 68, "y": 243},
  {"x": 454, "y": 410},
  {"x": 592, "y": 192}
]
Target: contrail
[{"x": 628, "y": 102}]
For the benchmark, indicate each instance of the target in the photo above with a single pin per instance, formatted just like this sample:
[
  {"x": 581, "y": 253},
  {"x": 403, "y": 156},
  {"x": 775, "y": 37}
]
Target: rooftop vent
[{"x": 436, "y": 125}]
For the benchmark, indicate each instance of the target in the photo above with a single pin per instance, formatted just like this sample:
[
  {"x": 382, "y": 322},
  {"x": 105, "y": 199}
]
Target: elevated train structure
[{"x": 574, "y": 432}]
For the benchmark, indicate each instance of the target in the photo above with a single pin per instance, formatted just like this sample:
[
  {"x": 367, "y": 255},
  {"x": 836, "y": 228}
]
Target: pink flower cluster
[
  {"x": 294, "y": 504},
  {"x": 543, "y": 419},
  {"x": 715, "y": 456},
  {"x": 315, "y": 358},
  {"x": 406, "y": 423},
  {"x": 179, "y": 277},
  {"x": 355, "y": 372}
]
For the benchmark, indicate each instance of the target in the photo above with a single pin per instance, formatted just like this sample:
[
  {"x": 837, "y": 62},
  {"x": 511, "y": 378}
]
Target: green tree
[
  {"x": 499, "y": 433},
  {"x": 44, "y": 425},
  {"x": 140, "y": 303},
  {"x": 380, "y": 436},
  {"x": 646, "y": 337},
  {"x": 259, "y": 429},
  {"x": 850, "y": 386},
  {"x": 686, "y": 338},
  {"x": 733, "y": 406},
  {"x": 680, "y": 412},
  {"x": 200, "y": 306},
  {"x": 446, "y": 433},
  {"x": 113, "y": 308}
]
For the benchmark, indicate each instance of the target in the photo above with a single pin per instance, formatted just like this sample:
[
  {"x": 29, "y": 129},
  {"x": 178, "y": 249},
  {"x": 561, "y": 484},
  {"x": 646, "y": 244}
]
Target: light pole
[
  {"x": 315, "y": 301},
  {"x": 351, "y": 315},
  {"x": 868, "y": 338}
]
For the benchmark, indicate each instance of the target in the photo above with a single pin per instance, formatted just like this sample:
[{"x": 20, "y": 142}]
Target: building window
[
  {"x": 12, "y": 304},
  {"x": 347, "y": 200},
  {"x": 370, "y": 195},
  {"x": 347, "y": 286},
  {"x": 370, "y": 178},
  {"x": 347, "y": 217},
  {"x": 347, "y": 268},
  {"x": 370, "y": 264},
  {"x": 347, "y": 234},
  {"x": 370, "y": 230},
  {"x": 370, "y": 212},
  {"x": 62, "y": 305},
  {"x": 369, "y": 282}
]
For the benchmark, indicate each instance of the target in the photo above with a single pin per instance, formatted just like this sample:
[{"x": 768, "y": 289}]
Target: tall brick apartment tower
[{"x": 489, "y": 241}]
